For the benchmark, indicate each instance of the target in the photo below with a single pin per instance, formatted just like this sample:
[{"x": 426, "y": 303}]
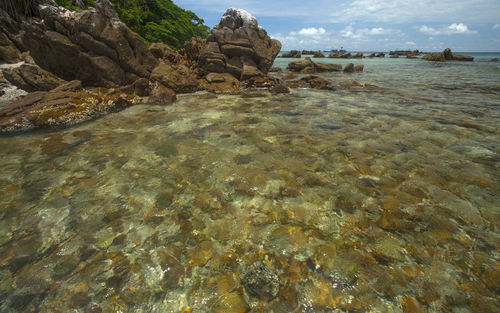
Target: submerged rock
[{"x": 260, "y": 281}]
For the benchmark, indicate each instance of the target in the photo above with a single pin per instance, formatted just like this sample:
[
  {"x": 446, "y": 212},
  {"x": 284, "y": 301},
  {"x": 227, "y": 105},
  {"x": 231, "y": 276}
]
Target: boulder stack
[{"x": 238, "y": 46}]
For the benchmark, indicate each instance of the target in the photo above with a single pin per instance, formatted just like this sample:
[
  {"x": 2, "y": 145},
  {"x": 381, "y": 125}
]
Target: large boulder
[
  {"x": 447, "y": 55},
  {"x": 237, "y": 45},
  {"x": 93, "y": 46}
]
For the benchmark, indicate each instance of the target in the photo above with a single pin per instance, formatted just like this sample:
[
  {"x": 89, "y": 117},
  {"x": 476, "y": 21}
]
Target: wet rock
[
  {"x": 224, "y": 83},
  {"x": 201, "y": 254},
  {"x": 311, "y": 81},
  {"x": 260, "y": 281},
  {"x": 60, "y": 108},
  {"x": 32, "y": 78},
  {"x": 340, "y": 55},
  {"x": 275, "y": 70},
  {"x": 65, "y": 266},
  {"x": 411, "y": 305},
  {"x": 161, "y": 95},
  {"x": 318, "y": 54}
]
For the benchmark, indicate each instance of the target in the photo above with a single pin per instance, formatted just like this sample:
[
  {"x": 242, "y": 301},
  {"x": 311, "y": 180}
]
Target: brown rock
[
  {"x": 358, "y": 55},
  {"x": 221, "y": 83},
  {"x": 349, "y": 68},
  {"x": 238, "y": 46},
  {"x": 292, "y": 54},
  {"x": 62, "y": 106},
  {"x": 322, "y": 67},
  {"x": 447, "y": 55},
  {"x": 161, "y": 94},
  {"x": 92, "y": 45},
  {"x": 311, "y": 81},
  {"x": 301, "y": 65},
  {"x": 165, "y": 53},
  {"x": 339, "y": 55},
  {"x": 318, "y": 54},
  {"x": 411, "y": 305},
  {"x": 192, "y": 49},
  {"x": 32, "y": 78},
  {"x": 179, "y": 78},
  {"x": 359, "y": 68}
]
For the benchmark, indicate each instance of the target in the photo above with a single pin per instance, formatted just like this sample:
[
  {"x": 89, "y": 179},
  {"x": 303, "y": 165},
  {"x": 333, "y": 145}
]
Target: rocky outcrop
[
  {"x": 377, "y": 55},
  {"x": 447, "y": 55},
  {"x": 339, "y": 55},
  {"x": 238, "y": 46},
  {"x": 307, "y": 66},
  {"x": 405, "y": 53},
  {"x": 65, "y": 105},
  {"x": 221, "y": 83},
  {"x": 93, "y": 46},
  {"x": 318, "y": 54},
  {"x": 9, "y": 39},
  {"x": 31, "y": 77},
  {"x": 311, "y": 81},
  {"x": 292, "y": 54}
]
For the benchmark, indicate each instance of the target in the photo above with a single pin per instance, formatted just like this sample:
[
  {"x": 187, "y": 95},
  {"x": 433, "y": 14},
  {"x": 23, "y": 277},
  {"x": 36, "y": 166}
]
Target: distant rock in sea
[
  {"x": 447, "y": 55},
  {"x": 292, "y": 54}
]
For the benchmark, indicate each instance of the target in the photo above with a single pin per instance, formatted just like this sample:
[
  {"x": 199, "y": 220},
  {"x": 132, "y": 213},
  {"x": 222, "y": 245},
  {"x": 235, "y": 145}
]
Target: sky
[{"x": 368, "y": 25}]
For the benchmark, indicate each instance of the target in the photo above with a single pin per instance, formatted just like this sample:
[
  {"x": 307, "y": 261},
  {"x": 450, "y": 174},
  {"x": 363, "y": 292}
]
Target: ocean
[{"x": 384, "y": 200}]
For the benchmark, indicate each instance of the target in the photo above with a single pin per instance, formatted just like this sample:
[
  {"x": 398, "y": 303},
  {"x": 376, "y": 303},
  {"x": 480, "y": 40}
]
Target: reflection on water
[{"x": 309, "y": 202}]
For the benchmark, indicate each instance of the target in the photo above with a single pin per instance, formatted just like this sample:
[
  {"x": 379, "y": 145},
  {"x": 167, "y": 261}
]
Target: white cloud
[
  {"x": 496, "y": 26},
  {"x": 453, "y": 29},
  {"x": 410, "y": 43},
  {"x": 311, "y": 31},
  {"x": 349, "y": 32}
]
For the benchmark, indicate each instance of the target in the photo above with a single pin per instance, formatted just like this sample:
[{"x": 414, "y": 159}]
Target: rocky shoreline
[{"x": 77, "y": 66}]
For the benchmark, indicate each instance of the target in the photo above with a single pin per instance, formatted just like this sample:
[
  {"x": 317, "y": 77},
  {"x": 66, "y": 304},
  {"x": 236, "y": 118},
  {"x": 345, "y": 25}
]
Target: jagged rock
[
  {"x": 447, "y": 55},
  {"x": 10, "y": 43},
  {"x": 161, "y": 95},
  {"x": 32, "y": 78},
  {"x": 404, "y": 52},
  {"x": 260, "y": 281},
  {"x": 237, "y": 45},
  {"x": 192, "y": 49},
  {"x": 177, "y": 77},
  {"x": 162, "y": 51},
  {"x": 92, "y": 45},
  {"x": 268, "y": 82},
  {"x": 63, "y": 106},
  {"x": 275, "y": 70},
  {"x": 291, "y": 54},
  {"x": 221, "y": 83}
]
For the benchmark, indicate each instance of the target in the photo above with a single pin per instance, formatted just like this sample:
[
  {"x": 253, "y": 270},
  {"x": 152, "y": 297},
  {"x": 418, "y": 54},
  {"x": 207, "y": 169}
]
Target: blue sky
[{"x": 369, "y": 25}]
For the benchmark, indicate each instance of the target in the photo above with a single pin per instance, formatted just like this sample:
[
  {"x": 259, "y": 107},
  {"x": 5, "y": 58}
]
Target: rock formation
[
  {"x": 447, "y": 55},
  {"x": 238, "y": 46},
  {"x": 307, "y": 66},
  {"x": 93, "y": 46},
  {"x": 292, "y": 54}
]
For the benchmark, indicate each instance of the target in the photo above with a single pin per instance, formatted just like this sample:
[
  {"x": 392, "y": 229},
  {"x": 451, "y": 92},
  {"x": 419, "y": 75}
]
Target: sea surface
[{"x": 384, "y": 200}]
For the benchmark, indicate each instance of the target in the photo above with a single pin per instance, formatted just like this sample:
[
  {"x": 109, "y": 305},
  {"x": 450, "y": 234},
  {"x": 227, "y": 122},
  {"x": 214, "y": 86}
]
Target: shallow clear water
[{"x": 359, "y": 201}]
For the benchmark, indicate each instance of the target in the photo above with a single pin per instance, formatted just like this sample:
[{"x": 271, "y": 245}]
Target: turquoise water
[{"x": 358, "y": 201}]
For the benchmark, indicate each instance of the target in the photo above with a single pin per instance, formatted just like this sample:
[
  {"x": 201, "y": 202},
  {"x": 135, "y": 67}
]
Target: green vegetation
[{"x": 155, "y": 20}]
